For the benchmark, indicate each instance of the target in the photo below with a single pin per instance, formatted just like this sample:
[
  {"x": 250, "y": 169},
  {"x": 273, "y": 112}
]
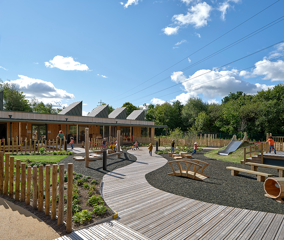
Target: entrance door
[
  {"x": 3, "y": 130},
  {"x": 39, "y": 132},
  {"x": 82, "y": 133}
]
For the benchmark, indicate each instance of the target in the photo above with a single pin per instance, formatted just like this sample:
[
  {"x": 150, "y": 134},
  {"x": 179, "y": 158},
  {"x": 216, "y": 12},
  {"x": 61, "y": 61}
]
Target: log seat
[{"x": 260, "y": 176}]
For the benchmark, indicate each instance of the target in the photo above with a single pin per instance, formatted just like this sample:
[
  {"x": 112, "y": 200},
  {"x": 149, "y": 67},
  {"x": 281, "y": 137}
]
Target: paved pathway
[{"x": 160, "y": 215}]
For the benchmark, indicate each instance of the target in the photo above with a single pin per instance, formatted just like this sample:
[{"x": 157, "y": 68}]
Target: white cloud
[
  {"x": 181, "y": 42},
  {"x": 84, "y": 104},
  {"x": 42, "y": 90},
  {"x": 213, "y": 101},
  {"x": 36, "y": 63},
  {"x": 156, "y": 101},
  {"x": 197, "y": 15},
  {"x": 183, "y": 98},
  {"x": 273, "y": 71},
  {"x": 189, "y": 60},
  {"x": 223, "y": 9},
  {"x": 84, "y": 113},
  {"x": 121, "y": 3},
  {"x": 170, "y": 30},
  {"x": 186, "y": 1},
  {"x": 66, "y": 63},
  {"x": 198, "y": 35},
  {"x": 102, "y": 76},
  {"x": 3, "y": 68},
  {"x": 130, "y": 2}
]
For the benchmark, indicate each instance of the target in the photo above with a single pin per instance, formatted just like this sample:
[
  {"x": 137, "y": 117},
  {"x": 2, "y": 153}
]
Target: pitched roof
[
  {"x": 74, "y": 109},
  {"x": 137, "y": 115},
  {"x": 100, "y": 111},
  {"x": 118, "y": 113}
]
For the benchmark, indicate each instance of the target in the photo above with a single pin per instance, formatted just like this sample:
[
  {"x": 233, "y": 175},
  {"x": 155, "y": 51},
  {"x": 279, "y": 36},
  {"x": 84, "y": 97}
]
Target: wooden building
[{"x": 37, "y": 126}]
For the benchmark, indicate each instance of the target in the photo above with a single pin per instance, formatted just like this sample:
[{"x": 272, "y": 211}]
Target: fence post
[
  {"x": 25, "y": 145},
  {"x": 69, "y": 198},
  {"x": 61, "y": 194},
  {"x": 12, "y": 145},
  {"x": 17, "y": 187},
  {"x": 56, "y": 144},
  {"x": 11, "y": 177},
  {"x": 261, "y": 158},
  {"x": 250, "y": 149},
  {"x": 30, "y": 145},
  {"x": 34, "y": 145},
  {"x": 245, "y": 154},
  {"x": 54, "y": 188},
  {"x": 29, "y": 185},
  {"x": 9, "y": 150},
  {"x": 35, "y": 187},
  {"x": 17, "y": 145},
  {"x": 6, "y": 184},
  {"x": 47, "y": 188},
  {"x": 48, "y": 145},
  {"x": 23, "y": 182},
  {"x": 1, "y": 171},
  {"x": 40, "y": 188}
]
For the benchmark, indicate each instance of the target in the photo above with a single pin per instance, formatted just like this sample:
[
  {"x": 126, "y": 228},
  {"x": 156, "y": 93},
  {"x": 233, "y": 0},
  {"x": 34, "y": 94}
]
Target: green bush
[
  {"x": 83, "y": 216},
  {"x": 79, "y": 182},
  {"x": 95, "y": 200},
  {"x": 91, "y": 193},
  {"x": 99, "y": 209},
  {"x": 54, "y": 153},
  {"x": 84, "y": 179},
  {"x": 75, "y": 196},
  {"x": 86, "y": 185},
  {"x": 65, "y": 178},
  {"x": 94, "y": 181},
  {"x": 77, "y": 176},
  {"x": 42, "y": 150}
]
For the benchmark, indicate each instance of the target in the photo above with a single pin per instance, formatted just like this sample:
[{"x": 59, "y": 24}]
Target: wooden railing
[
  {"x": 30, "y": 183},
  {"x": 256, "y": 148}
]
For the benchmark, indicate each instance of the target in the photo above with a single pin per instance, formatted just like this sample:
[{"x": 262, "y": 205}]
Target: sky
[{"x": 141, "y": 52}]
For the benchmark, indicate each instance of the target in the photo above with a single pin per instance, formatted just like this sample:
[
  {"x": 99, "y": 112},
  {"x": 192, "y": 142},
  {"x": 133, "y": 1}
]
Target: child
[
  {"x": 136, "y": 145},
  {"x": 173, "y": 146},
  {"x": 150, "y": 149},
  {"x": 115, "y": 147},
  {"x": 112, "y": 146},
  {"x": 72, "y": 142},
  {"x": 195, "y": 148},
  {"x": 271, "y": 144}
]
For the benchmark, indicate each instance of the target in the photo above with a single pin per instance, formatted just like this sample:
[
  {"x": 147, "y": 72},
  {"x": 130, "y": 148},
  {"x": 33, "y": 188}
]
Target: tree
[
  {"x": 129, "y": 108},
  {"x": 177, "y": 108},
  {"x": 40, "y": 107},
  {"x": 110, "y": 108},
  {"x": 202, "y": 122},
  {"x": 13, "y": 99}
]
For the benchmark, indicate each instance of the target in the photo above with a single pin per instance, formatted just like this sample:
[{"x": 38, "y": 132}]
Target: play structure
[
  {"x": 196, "y": 171},
  {"x": 233, "y": 145},
  {"x": 274, "y": 188}
]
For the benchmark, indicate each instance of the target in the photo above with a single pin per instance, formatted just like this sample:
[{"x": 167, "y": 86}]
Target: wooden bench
[
  {"x": 171, "y": 154},
  {"x": 183, "y": 153},
  {"x": 196, "y": 173},
  {"x": 260, "y": 176},
  {"x": 254, "y": 166},
  {"x": 187, "y": 156},
  {"x": 177, "y": 157}
]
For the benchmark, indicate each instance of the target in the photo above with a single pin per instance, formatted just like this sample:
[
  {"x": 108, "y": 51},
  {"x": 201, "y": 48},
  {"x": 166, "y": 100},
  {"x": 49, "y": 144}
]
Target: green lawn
[
  {"x": 39, "y": 158},
  {"x": 235, "y": 157}
]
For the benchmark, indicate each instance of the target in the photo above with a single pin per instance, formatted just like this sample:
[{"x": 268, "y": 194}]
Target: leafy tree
[
  {"x": 110, "y": 108},
  {"x": 150, "y": 113},
  {"x": 129, "y": 108},
  {"x": 40, "y": 107},
  {"x": 177, "y": 108},
  {"x": 202, "y": 122},
  {"x": 232, "y": 96}
]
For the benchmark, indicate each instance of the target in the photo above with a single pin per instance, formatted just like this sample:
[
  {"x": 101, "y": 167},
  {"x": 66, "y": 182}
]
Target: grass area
[
  {"x": 39, "y": 158},
  {"x": 235, "y": 157}
]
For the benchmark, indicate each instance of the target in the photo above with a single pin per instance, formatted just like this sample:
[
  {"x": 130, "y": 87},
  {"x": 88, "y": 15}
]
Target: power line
[
  {"x": 219, "y": 51},
  {"x": 208, "y": 43},
  {"x": 214, "y": 69}
]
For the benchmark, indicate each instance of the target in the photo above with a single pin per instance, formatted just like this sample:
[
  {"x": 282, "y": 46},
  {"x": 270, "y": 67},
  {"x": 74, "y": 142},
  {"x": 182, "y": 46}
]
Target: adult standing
[
  {"x": 173, "y": 146},
  {"x": 60, "y": 136},
  {"x": 104, "y": 143}
]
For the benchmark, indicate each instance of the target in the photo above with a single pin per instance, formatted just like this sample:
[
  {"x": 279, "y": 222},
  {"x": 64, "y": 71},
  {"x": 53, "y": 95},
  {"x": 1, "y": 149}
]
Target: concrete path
[
  {"x": 18, "y": 223},
  {"x": 160, "y": 215}
]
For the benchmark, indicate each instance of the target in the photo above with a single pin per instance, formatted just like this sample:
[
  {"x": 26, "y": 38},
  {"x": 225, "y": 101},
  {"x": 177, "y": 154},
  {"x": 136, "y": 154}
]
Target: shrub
[
  {"x": 83, "y": 216},
  {"x": 65, "y": 178},
  {"x": 79, "y": 182},
  {"x": 75, "y": 196},
  {"x": 54, "y": 153},
  {"x": 84, "y": 179},
  {"x": 42, "y": 150},
  {"x": 37, "y": 153},
  {"x": 86, "y": 185},
  {"x": 94, "y": 181},
  {"x": 74, "y": 173},
  {"x": 77, "y": 176},
  {"x": 95, "y": 200},
  {"x": 43, "y": 163},
  {"x": 75, "y": 208},
  {"x": 88, "y": 177},
  {"x": 99, "y": 209},
  {"x": 91, "y": 193}
]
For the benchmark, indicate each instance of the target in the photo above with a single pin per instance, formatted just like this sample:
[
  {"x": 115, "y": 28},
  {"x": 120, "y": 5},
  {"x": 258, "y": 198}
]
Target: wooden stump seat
[
  {"x": 260, "y": 176},
  {"x": 171, "y": 154},
  {"x": 254, "y": 166},
  {"x": 195, "y": 173}
]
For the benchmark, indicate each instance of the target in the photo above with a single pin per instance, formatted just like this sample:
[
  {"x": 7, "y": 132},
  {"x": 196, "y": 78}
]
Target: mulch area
[{"x": 242, "y": 191}]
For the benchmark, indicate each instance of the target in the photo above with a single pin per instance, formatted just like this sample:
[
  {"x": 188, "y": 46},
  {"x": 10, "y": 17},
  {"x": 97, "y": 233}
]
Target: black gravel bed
[
  {"x": 242, "y": 191},
  {"x": 95, "y": 168}
]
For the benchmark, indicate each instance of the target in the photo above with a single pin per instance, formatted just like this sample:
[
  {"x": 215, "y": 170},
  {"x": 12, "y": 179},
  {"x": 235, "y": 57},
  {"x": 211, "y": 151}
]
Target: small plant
[
  {"x": 74, "y": 173},
  {"x": 75, "y": 196},
  {"x": 88, "y": 177},
  {"x": 43, "y": 163},
  {"x": 77, "y": 176},
  {"x": 95, "y": 200},
  {"x": 94, "y": 181},
  {"x": 99, "y": 209},
  {"x": 79, "y": 182},
  {"x": 42, "y": 150},
  {"x": 65, "y": 178},
  {"x": 37, "y": 153},
  {"x": 86, "y": 185},
  {"x": 91, "y": 193},
  {"x": 54, "y": 153},
  {"x": 76, "y": 208},
  {"x": 84, "y": 179},
  {"x": 83, "y": 216}
]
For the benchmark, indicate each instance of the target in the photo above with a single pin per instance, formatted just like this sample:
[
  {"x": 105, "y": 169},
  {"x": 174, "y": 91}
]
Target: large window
[
  {"x": 143, "y": 132},
  {"x": 72, "y": 132},
  {"x": 38, "y": 132}
]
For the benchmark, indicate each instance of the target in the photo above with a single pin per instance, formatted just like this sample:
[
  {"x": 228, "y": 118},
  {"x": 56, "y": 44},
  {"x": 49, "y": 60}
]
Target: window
[
  {"x": 143, "y": 132},
  {"x": 39, "y": 132}
]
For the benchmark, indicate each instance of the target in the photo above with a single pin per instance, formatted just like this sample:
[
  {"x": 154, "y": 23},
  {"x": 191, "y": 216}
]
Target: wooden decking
[{"x": 160, "y": 215}]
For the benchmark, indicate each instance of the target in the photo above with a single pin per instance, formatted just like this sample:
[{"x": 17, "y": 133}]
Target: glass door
[{"x": 39, "y": 132}]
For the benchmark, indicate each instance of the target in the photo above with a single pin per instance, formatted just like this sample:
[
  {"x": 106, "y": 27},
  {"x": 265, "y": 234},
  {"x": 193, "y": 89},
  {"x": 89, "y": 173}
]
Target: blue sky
[{"x": 122, "y": 51}]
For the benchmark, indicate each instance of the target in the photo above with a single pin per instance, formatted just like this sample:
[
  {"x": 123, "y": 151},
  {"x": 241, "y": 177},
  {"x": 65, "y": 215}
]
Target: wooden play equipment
[
  {"x": 254, "y": 167},
  {"x": 260, "y": 176},
  {"x": 195, "y": 173},
  {"x": 171, "y": 154},
  {"x": 274, "y": 188}
]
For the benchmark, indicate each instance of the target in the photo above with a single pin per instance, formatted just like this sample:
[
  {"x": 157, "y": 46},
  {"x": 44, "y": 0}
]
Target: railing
[
  {"x": 29, "y": 186},
  {"x": 258, "y": 147}
]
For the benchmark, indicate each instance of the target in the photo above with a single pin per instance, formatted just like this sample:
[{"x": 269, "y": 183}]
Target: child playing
[
  {"x": 72, "y": 142},
  {"x": 150, "y": 149},
  {"x": 136, "y": 145},
  {"x": 271, "y": 144},
  {"x": 195, "y": 148},
  {"x": 112, "y": 146},
  {"x": 173, "y": 146}
]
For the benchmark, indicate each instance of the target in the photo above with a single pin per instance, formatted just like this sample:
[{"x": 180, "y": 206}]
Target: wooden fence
[{"x": 27, "y": 185}]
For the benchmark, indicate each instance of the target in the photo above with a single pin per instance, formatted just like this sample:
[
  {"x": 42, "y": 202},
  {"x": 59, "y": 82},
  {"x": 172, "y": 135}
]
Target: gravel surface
[
  {"x": 95, "y": 168},
  {"x": 242, "y": 191}
]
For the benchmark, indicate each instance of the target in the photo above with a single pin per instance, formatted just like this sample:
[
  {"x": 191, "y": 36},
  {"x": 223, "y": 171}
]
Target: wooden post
[
  {"x": 250, "y": 149},
  {"x": 34, "y": 187},
  {"x": 30, "y": 145},
  {"x": 23, "y": 182},
  {"x": 29, "y": 185},
  {"x": 47, "y": 189},
  {"x": 56, "y": 144},
  {"x": 25, "y": 145},
  {"x": 60, "y": 142},
  {"x": 53, "y": 145},
  {"x": 40, "y": 188},
  {"x": 49, "y": 144},
  {"x": 11, "y": 177},
  {"x": 34, "y": 146},
  {"x": 4, "y": 146},
  {"x": 17, "y": 187},
  {"x": 12, "y": 145},
  {"x": 69, "y": 198},
  {"x": 61, "y": 194},
  {"x": 17, "y": 145},
  {"x": 9, "y": 150},
  {"x": 86, "y": 147},
  {"x": 118, "y": 140},
  {"x": 54, "y": 188},
  {"x": 261, "y": 157},
  {"x": 245, "y": 154},
  {"x": 6, "y": 184},
  {"x": 1, "y": 172}
]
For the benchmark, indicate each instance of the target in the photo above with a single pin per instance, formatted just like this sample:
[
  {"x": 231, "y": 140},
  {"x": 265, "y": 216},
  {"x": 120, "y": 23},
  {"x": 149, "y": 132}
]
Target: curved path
[{"x": 160, "y": 215}]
